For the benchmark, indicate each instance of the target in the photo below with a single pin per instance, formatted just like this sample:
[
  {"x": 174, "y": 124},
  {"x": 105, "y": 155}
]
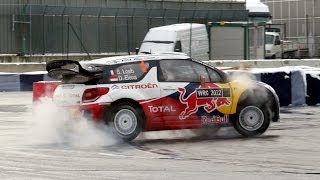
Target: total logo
[
  {"x": 156, "y": 109},
  {"x": 193, "y": 102}
]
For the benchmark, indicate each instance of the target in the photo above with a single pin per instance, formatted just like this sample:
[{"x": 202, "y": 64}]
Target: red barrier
[{"x": 44, "y": 89}]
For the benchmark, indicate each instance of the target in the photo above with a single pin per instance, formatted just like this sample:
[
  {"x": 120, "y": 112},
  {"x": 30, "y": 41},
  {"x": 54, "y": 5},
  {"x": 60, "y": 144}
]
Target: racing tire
[
  {"x": 126, "y": 121},
  {"x": 252, "y": 120}
]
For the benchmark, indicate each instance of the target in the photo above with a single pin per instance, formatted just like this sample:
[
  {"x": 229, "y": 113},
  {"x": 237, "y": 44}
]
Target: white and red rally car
[{"x": 162, "y": 92}]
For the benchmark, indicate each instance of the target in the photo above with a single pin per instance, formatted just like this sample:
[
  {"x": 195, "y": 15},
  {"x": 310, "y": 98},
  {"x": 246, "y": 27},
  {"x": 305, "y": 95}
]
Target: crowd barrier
[
  {"x": 295, "y": 85},
  {"x": 290, "y": 83},
  {"x": 21, "y": 81}
]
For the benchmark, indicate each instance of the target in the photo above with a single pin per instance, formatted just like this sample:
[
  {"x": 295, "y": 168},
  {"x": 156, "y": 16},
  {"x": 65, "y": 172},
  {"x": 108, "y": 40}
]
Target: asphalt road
[{"x": 37, "y": 145}]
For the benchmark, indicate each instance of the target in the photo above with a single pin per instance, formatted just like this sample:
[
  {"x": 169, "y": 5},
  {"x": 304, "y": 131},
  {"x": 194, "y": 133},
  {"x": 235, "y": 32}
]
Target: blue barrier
[
  {"x": 9, "y": 82},
  {"x": 290, "y": 86},
  {"x": 281, "y": 83},
  {"x": 313, "y": 88},
  {"x": 298, "y": 88},
  {"x": 26, "y": 81}
]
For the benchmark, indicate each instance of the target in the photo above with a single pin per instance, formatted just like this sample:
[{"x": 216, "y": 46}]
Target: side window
[
  {"x": 214, "y": 75},
  {"x": 181, "y": 71},
  {"x": 277, "y": 41},
  {"x": 127, "y": 72},
  {"x": 177, "y": 47}
]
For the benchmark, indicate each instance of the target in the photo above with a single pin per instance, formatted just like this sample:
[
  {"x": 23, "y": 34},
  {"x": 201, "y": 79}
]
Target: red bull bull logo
[{"x": 209, "y": 98}]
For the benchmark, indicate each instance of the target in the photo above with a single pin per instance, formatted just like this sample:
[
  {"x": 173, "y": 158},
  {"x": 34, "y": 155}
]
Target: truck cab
[{"x": 273, "y": 45}]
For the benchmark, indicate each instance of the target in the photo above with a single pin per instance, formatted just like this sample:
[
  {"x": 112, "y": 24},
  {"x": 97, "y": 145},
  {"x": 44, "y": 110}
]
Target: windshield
[
  {"x": 269, "y": 39},
  {"x": 149, "y": 47}
]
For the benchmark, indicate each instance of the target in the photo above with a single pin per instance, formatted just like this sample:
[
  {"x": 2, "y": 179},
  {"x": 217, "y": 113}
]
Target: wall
[{"x": 98, "y": 26}]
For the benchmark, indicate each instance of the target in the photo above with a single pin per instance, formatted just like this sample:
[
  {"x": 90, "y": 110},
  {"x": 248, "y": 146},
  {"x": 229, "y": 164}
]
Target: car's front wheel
[
  {"x": 252, "y": 120},
  {"x": 126, "y": 120}
]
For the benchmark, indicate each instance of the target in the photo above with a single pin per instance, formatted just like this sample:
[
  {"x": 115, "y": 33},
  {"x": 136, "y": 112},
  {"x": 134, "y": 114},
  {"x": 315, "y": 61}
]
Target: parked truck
[
  {"x": 215, "y": 41},
  {"x": 277, "y": 48}
]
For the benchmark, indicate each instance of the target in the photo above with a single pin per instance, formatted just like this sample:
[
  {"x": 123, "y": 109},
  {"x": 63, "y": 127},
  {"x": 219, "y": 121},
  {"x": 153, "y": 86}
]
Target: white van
[{"x": 176, "y": 38}]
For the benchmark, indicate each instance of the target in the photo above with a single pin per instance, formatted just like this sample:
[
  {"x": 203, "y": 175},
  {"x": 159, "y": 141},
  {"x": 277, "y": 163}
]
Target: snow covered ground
[{"x": 288, "y": 150}]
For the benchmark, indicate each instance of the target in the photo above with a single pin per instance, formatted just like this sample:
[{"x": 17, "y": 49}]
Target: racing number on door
[{"x": 216, "y": 92}]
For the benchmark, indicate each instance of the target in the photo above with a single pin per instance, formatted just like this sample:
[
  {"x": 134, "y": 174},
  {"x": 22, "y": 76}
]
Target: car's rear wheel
[
  {"x": 126, "y": 120},
  {"x": 252, "y": 120}
]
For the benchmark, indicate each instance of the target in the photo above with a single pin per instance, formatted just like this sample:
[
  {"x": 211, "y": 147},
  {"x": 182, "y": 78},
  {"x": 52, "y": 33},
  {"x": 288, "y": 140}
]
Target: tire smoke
[{"x": 50, "y": 124}]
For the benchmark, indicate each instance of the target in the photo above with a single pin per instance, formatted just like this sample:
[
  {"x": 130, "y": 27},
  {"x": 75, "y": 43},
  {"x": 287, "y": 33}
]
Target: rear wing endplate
[{"x": 58, "y": 69}]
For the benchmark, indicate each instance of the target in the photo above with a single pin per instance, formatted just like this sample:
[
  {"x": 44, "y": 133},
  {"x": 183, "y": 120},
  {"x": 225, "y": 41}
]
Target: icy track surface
[{"x": 44, "y": 145}]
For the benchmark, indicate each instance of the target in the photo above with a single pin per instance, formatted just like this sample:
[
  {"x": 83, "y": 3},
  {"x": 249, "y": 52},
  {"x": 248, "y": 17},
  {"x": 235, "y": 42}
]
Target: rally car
[{"x": 162, "y": 92}]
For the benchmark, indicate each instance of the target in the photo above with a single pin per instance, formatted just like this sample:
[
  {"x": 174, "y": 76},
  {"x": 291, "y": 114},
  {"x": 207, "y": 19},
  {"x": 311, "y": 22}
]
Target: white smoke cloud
[
  {"x": 259, "y": 92},
  {"x": 50, "y": 124}
]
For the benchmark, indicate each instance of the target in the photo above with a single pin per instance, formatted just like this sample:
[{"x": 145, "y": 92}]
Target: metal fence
[{"x": 42, "y": 29}]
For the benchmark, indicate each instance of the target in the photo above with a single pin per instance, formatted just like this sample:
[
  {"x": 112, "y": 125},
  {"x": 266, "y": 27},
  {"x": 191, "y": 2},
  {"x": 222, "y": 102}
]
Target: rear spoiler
[{"x": 58, "y": 69}]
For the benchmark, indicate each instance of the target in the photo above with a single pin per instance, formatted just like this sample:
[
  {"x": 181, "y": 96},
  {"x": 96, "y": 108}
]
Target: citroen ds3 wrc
[{"x": 162, "y": 92}]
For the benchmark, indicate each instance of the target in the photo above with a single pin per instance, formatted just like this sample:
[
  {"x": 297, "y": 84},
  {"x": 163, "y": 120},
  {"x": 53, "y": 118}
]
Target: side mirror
[
  {"x": 137, "y": 50},
  {"x": 202, "y": 80}
]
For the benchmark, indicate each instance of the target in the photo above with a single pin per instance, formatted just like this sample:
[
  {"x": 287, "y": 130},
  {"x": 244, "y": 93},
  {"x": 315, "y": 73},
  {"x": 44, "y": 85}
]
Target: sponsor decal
[
  {"x": 67, "y": 95},
  {"x": 215, "y": 92},
  {"x": 113, "y": 75},
  {"x": 93, "y": 68},
  {"x": 122, "y": 75},
  {"x": 113, "y": 78},
  {"x": 210, "y": 99},
  {"x": 123, "y": 60},
  {"x": 125, "y": 71},
  {"x": 67, "y": 86},
  {"x": 156, "y": 109},
  {"x": 139, "y": 86},
  {"x": 127, "y": 78},
  {"x": 113, "y": 72},
  {"x": 214, "y": 119},
  {"x": 114, "y": 87},
  {"x": 67, "y": 98}
]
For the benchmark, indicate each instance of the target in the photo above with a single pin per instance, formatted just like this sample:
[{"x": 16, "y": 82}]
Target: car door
[{"x": 187, "y": 102}]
